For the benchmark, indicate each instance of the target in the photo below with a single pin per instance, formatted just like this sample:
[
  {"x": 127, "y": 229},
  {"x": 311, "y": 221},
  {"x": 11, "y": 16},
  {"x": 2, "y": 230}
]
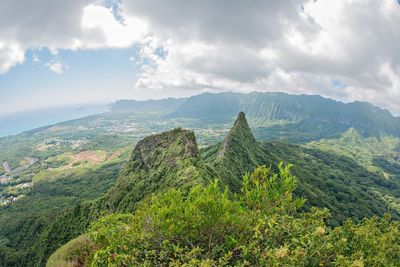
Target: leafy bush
[{"x": 261, "y": 226}]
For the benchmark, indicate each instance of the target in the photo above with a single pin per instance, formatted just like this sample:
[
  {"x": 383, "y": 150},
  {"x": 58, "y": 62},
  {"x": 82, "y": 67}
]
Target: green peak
[
  {"x": 239, "y": 135},
  {"x": 241, "y": 128},
  {"x": 165, "y": 160},
  {"x": 241, "y": 120},
  {"x": 171, "y": 146}
]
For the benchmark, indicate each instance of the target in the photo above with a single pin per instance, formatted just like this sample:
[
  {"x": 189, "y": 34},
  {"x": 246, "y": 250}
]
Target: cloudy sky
[{"x": 59, "y": 52}]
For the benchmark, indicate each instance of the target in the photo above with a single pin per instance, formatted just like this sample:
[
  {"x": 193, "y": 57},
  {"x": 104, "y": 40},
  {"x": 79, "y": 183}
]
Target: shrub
[{"x": 261, "y": 226}]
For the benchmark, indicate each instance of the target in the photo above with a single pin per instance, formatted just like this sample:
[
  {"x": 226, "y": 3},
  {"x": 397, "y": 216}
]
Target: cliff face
[
  {"x": 313, "y": 116},
  {"x": 167, "y": 147},
  {"x": 158, "y": 162}
]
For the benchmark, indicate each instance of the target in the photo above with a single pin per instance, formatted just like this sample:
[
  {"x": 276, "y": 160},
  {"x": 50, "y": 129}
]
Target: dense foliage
[
  {"x": 207, "y": 226},
  {"x": 353, "y": 176},
  {"x": 157, "y": 163},
  {"x": 328, "y": 180}
]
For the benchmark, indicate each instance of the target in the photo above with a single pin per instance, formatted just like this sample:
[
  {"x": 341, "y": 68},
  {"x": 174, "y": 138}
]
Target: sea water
[{"x": 23, "y": 121}]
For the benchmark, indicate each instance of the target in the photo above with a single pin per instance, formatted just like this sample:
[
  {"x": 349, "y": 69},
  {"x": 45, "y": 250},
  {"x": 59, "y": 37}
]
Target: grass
[{"x": 72, "y": 253}]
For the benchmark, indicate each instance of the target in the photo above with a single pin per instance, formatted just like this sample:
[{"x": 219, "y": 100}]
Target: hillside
[
  {"x": 237, "y": 154},
  {"x": 364, "y": 150},
  {"x": 312, "y": 116},
  {"x": 326, "y": 179},
  {"x": 209, "y": 107},
  {"x": 157, "y": 163},
  {"x": 172, "y": 160},
  {"x": 263, "y": 224}
]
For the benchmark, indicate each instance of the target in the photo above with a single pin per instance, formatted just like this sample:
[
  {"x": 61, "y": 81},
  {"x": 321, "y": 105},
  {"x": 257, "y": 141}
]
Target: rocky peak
[
  {"x": 239, "y": 135},
  {"x": 168, "y": 146},
  {"x": 241, "y": 121}
]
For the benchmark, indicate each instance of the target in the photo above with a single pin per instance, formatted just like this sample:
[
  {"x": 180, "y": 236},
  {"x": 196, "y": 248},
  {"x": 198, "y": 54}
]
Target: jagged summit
[
  {"x": 241, "y": 119},
  {"x": 167, "y": 160},
  {"x": 170, "y": 145},
  {"x": 239, "y": 135},
  {"x": 237, "y": 154}
]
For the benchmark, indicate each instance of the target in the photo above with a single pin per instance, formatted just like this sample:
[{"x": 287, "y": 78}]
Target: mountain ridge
[
  {"x": 296, "y": 118},
  {"x": 240, "y": 131},
  {"x": 169, "y": 159}
]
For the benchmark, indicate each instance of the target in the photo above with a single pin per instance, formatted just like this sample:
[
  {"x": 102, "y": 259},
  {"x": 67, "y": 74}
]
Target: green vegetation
[
  {"x": 74, "y": 253},
  {"x": 59, "y": 181},
  {"x": 158, "y": 162},
  {"x": 237, "y": 154},
  {"x": 79, "y": 176},
  {"x": 379, "y": 155},
  {"x": 25, "y": 221},
  {"x": 364, "y": 150},
  {"x": 326, "y": 179},
  {"x": 207, "y": 226},
  {"x": 171, "y": 160}
]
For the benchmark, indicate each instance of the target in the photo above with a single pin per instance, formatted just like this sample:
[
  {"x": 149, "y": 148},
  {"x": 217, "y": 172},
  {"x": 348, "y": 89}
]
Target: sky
[{"x": 62, "y": 52}]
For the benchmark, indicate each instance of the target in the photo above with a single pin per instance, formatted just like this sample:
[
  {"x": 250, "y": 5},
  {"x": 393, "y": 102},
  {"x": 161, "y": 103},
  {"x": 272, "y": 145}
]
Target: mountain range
[{"x": 298, "y": 118}]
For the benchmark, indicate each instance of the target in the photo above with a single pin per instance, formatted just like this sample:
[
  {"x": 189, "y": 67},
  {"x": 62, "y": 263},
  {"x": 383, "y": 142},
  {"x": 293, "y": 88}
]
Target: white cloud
[
  {"x": 56, "y": 66},
  {"x": 298, "y": 46},
  {"x": 61, "y": 24},
  {"x": 116, "y": 33},
  {"x": 11, "y": 54},
  {"x": 293, "y": 46}
]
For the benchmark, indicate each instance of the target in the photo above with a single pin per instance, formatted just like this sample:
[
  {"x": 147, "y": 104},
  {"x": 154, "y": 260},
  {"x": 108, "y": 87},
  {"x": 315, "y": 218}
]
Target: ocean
[{"x": 23, "y": 121}]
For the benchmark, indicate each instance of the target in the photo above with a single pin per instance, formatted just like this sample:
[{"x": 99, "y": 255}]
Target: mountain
[
  {"x": 298, "y": 118},
  {"x": 157, "y": 163},
  {"x": 167, "y": 160},
  {"x": 209, "y": 107},
  {"x": 172, "y": 160},
  {"x": 237, "y": 154},
  {"x": 286, "y": 116}
]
